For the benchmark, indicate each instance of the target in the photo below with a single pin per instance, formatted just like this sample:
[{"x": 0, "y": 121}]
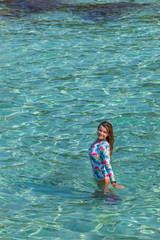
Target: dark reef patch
[{"x": 92, "y": 11}]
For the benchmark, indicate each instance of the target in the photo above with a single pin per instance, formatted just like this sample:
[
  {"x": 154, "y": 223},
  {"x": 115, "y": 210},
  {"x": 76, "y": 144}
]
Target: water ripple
[{"x": 60, "y": 76}]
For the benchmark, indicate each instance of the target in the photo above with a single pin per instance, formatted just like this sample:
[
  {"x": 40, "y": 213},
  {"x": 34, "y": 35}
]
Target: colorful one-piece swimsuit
[{"x": 99, "y": 154}]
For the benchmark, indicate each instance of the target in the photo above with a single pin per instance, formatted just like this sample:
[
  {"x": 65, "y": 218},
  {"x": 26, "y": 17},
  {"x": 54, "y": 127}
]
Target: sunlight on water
[{"x": 61, "y": 75}]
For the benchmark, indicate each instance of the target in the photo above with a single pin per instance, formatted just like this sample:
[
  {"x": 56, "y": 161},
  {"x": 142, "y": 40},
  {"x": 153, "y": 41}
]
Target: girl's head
[{"x": 105, "y": 130}]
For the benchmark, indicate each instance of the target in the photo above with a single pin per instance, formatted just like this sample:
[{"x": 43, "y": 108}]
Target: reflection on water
[{"x": 109, "y": 196}]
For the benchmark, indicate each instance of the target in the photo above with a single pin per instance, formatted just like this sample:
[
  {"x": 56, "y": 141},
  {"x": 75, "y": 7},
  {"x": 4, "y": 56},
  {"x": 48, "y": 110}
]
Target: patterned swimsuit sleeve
[{"x": 105, "y": 156}]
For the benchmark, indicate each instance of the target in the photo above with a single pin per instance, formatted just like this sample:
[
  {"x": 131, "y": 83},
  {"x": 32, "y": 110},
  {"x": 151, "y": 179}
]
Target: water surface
[{"x": 61, "y": 75}]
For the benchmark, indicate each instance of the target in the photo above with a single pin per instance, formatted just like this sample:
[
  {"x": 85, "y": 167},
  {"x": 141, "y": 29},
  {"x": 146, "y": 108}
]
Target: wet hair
[{"x": 110, "y": 137}]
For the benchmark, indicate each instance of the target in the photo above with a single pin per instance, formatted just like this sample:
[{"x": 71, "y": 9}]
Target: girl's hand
[{"x": 117, "y": 186}]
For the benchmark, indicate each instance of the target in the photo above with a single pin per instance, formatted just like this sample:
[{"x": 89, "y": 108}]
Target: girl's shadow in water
[{"x": 51, "y": 186}]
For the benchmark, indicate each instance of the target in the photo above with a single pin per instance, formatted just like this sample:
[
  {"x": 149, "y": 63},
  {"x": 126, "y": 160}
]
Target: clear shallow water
[{"x": 61, "y": 74}]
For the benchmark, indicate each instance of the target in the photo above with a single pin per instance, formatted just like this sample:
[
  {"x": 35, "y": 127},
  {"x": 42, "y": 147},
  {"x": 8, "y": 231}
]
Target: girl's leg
[{"x": 103, "y": 184}]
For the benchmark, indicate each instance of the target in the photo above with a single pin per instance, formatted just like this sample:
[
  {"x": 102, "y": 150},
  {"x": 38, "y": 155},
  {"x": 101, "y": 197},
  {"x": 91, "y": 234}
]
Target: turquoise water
[{"x": 61, "y": 75}]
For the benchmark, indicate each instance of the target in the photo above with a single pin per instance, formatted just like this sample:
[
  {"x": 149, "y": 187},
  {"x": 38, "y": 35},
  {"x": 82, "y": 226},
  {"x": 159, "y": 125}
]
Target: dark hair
[{"x": 110, "y": 137}]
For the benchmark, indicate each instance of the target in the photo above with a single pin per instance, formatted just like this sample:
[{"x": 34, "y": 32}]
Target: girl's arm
[
  {"x": 106, "y": 160},
  {"x": 116, "y": 185}
]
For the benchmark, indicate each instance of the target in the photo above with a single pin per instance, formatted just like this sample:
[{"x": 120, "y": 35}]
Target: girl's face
[{"x": 102, "y": 133}]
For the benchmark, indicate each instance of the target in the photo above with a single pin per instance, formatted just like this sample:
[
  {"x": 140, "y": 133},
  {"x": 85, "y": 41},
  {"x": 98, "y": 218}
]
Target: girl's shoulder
[
  {"x": 92, "y": 145},
  {"x": 99, "y": 144},
  {"x": 105, "y": 144}
]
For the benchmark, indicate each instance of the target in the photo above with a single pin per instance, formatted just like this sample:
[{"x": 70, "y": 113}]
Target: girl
[{"x": 99, "y": 153}]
